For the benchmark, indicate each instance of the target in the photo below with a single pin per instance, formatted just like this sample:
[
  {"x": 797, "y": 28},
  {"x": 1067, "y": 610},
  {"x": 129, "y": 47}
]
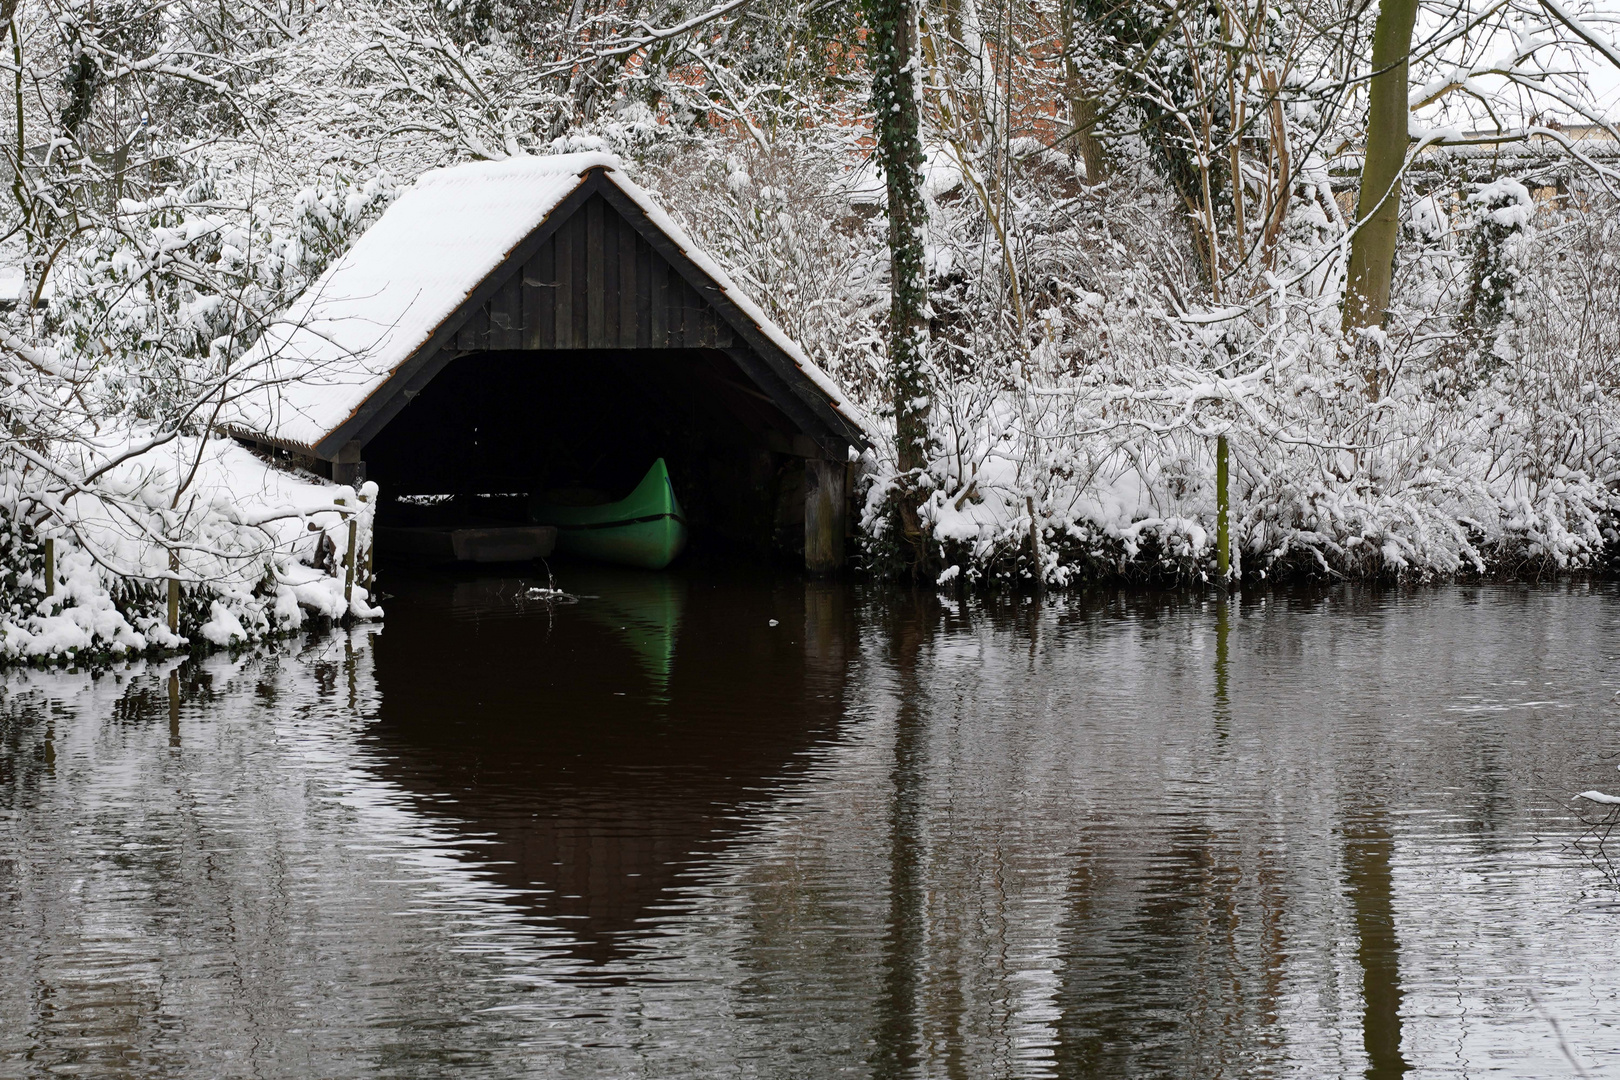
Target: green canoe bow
[{"x": 646, "y": 528}]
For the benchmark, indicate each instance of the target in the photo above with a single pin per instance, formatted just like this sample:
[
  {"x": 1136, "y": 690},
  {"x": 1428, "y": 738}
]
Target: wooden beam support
[
  {"x": 417, "y": 381},
  {"x": 802, "y": 446},
  {"x": 792, "y": 406},
  {"x": 348, "y": 468},
  {"x": 823, "y": 516}
]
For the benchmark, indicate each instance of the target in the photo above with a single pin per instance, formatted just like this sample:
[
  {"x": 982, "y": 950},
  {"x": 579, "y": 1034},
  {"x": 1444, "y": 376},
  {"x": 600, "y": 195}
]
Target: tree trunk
[
  {"x": 1085, "y": 135},
  {"x": 1082, "y": 99},
  {"x": 1372, "y": 248},
  {"x": 893, "y": 42}
]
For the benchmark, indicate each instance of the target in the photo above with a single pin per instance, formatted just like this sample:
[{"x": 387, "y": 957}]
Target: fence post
[
  {"x": 348, "y": 563},
  {"x": 1035, "y": 557},
  {"x": 174, "y": 592},
  {"x": 365, "y": 574},
  {"x": 1223, "y": 531},
  {"x": 50, "y": 567}
]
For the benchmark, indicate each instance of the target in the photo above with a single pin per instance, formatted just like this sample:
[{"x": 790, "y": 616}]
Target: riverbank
[
  {"x": 262, "y": 550},
  {"x": 1420, "y": 489},
  {"x": 1328, "y": 535}
]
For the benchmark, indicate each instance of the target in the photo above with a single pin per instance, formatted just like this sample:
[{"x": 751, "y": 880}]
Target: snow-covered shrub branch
[
  {"x": 131, "y": 505},
  {"x": 109, "y": 447}
]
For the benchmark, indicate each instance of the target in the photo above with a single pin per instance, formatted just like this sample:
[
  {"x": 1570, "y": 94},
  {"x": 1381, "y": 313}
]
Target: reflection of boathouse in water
[
  {"x": 617, "y": 761},
  {"x": 508, "y": 328}
]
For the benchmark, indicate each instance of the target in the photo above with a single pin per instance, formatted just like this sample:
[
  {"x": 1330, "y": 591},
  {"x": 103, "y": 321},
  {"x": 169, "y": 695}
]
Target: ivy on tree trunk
[
  {"x": 892, "y": 42},
  {"x": 1372, "y": 248}
]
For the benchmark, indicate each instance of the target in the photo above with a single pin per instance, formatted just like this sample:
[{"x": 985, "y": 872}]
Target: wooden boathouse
[{"x": 539, "y": 323}]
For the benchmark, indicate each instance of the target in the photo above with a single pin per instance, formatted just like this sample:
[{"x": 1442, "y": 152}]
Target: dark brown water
[{"x": 652, "y": 834}]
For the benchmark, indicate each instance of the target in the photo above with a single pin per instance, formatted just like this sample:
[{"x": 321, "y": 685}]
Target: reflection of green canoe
[
  {"x": 644, "y": 610},
  {"x": 646, "y": 528}
]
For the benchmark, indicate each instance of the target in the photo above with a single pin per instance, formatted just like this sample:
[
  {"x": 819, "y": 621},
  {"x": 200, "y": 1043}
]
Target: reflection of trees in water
[
  {"x": 145, "y": 891},
  {"x": 1223, "y": 665},
  {"x": 1369, "y": 845},
  {"x": 606, "y": 748},
  {"x": 27, "y": 747},
  {"x": 1174, "y": 951},
  {"x": 1173, "y": 946},
  {"x": 896, "y": 1052}
]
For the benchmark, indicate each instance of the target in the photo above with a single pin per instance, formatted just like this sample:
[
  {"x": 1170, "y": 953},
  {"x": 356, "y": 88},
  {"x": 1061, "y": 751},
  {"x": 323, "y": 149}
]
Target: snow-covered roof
[{"x": 382, "y": 301}]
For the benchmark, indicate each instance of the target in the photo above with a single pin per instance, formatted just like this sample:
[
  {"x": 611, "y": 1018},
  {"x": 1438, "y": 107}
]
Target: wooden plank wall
[{"x": 595, "y": 284}]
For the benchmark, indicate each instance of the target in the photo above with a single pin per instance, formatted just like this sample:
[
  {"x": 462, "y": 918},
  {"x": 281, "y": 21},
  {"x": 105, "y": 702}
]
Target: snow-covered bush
[
  {"x": 129, "y": 506},
  {"x": 111, "y": 452}
]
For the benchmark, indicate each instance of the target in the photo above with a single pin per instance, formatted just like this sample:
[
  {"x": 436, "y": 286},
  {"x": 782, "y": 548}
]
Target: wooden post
[
  {"x": 823, "y": 516},
  {"x": 348, "y": 563},
  {"x": 348, "y": 468},
  {"x": 1036, "y": 559},
  {"x": 365, "y": 569},
  {"x": 50, "y": 567},
  {"x": 1223, "y": 533},
  {"x": 174, "y": 592}
]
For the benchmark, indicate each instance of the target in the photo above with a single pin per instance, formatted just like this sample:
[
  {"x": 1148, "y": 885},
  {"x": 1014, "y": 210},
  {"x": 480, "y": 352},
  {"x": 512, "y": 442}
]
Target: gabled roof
[{"x": 328, "y": 363}]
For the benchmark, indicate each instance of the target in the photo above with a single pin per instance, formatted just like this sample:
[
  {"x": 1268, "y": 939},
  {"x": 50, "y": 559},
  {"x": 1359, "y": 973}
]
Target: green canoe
[{"x": 646, "y": 528}]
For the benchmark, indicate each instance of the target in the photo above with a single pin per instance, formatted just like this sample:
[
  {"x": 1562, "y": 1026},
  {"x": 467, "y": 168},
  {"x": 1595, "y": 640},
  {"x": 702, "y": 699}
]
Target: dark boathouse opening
[
  {"x": 493, "y": 429},
  {"x": 598, "y": 343}
]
